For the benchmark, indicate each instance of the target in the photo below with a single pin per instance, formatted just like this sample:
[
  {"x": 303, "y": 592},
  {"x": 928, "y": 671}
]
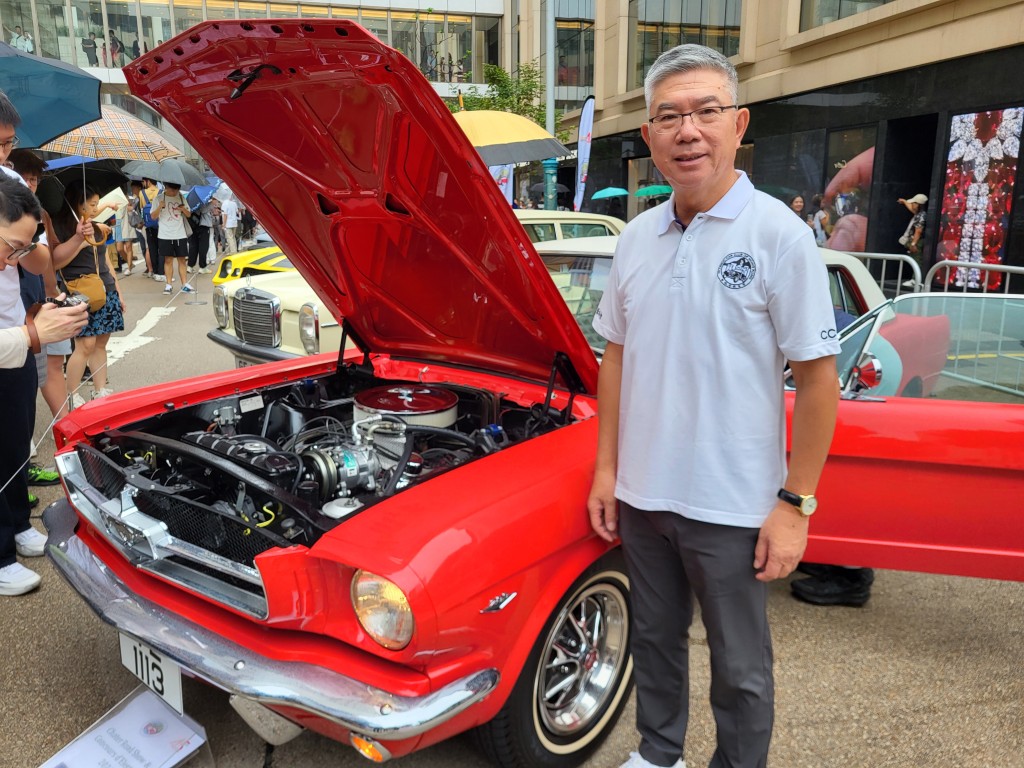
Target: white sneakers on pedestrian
[
  {"x": 187, "y": 288},
  {"x": 77, "y": 401},
  {"x": 167, "y": 288},
  {"x": 190, "y": 270},
  {"x": 160, "y": 278},
  {"x": 102, "y": 392},
  {"x": 636, "y": 761},
  {"x": 16, "y": 579},
  {"x": 29, "y": 543},
  {"x": 204, "y": 271}
]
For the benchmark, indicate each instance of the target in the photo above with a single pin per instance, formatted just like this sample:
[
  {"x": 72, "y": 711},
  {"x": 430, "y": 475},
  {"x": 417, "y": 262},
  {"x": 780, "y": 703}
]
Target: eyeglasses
[
  {"x": 18, "y": 253},
  {"x": 671, "y": 122},
  {"x": 10, "y": 143}
]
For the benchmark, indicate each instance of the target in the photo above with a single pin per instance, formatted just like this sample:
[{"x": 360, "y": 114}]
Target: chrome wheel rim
[{"x": 583, "y": 660}]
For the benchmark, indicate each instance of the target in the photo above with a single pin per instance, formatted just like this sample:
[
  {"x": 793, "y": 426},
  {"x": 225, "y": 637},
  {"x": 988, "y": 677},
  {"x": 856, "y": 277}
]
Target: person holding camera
[{"x": 20, "y": 217}]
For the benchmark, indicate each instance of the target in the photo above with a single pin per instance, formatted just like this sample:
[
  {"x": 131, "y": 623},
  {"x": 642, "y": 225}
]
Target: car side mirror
[{"x": 867, "y": 375}]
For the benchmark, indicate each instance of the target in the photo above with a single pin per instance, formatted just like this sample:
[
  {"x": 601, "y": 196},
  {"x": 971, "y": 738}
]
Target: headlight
[
  {"x": 382, "y": 609},
  {"x": 220, "y": 305},
  {"x": 309, "y": 328}
]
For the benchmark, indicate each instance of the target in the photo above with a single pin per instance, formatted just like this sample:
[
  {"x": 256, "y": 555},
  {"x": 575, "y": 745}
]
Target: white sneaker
[
  {"x": 77, "y": 401},
  {"x": 126, "y": 270},
  {"x": 16, "y": 579},
  {"x": 204, "y": 271},
  {"x": 160, "y": 279},
  {"x": 190, "y": 270},
  {"x": 636, "y": 761},
  {"x": 102, "y": 392},
  {"x": 29, "y": 543},
  {"x": 187, "y": 288},
  {"x": 167, "y": 289}
]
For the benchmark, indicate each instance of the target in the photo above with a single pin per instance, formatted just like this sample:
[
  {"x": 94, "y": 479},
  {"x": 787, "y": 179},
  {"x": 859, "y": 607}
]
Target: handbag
[
  {"x": 90, "y": 285},
  {"x": 134, "y": 218}
]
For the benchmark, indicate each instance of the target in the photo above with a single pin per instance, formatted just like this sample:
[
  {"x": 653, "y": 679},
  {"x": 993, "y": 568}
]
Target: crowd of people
[{"x": 53, "y": 344}]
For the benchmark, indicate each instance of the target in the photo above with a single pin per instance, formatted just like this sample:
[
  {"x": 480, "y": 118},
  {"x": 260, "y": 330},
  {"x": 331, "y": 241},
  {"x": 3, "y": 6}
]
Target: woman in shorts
[{"x": 73, "y": 258}]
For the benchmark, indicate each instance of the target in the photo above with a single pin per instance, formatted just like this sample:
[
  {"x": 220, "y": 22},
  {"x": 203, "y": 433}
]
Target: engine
[{"x": 290, "y": 462}]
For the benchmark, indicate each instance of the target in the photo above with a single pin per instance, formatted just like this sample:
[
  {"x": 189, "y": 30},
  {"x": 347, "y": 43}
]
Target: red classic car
[{"x": 392, "y": 547}]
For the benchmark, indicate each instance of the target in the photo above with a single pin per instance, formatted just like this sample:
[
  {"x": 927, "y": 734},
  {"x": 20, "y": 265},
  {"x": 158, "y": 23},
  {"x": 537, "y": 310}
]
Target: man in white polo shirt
[{"x": 708, "y": 295}]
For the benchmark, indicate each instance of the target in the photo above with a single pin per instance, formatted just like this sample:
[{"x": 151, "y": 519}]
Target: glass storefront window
[
  {"x": 351, "y": 14},
  {"x": 815, "y": 13},
  {"x": 122, "y": 32},
  {"x": 574, "y": 44},
  {"x": 431, "y": 38},
  {"x": 458, "y": 45},
  {"x": 252, "y": 10},
  {"x": 156, "y": 25},
  {"x": 187, "y": 13},
  {"x": 283, "y": 11},
  {"x": 314, "y": 11},
  {"x": 403, "y": 35},
  {"x": 15, "y": 15},
  {"x": 376, "y": 23},
  {"x": 657, "y": 25},
  {"x": 87, "y": 28},
  {"x": 486, "y": 48},
  {"x": 220, "y": 9},
  {"x": 54, "y": 41}
]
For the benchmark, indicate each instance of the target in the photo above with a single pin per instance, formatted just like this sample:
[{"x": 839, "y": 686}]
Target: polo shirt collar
[{"x": 729, "y": 207}]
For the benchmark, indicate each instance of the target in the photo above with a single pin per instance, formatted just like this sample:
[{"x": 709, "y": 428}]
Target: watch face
[{"x": 808, "y": 505}]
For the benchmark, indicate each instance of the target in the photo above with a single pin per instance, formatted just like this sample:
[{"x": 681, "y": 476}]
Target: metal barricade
[
  {"x": 969, "y": 276},
  {"x": 897, "y": 273}
]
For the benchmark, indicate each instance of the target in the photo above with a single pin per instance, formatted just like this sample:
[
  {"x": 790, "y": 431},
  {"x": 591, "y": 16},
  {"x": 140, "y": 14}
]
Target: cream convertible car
[{"x": 278, "y": 317}]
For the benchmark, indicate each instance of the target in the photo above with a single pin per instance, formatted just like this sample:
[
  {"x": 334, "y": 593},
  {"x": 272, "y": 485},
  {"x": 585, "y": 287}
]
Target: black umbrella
[
  {"x": 51, "y": 97},
  {"x": 101, "y": 175},
  {"x": 173, "y": 170},
  {"x": 539, "y": 188}
]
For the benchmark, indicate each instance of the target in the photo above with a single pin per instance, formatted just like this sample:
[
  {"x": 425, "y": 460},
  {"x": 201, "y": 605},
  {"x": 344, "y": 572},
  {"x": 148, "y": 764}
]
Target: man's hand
[
  {"x": 781, "y": 543},
  {"x": 603, "y": 507},
  {"x": 55, "y": 323}
]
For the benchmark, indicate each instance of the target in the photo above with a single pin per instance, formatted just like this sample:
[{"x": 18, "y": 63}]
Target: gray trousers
[{"x": 671, "y": 559}]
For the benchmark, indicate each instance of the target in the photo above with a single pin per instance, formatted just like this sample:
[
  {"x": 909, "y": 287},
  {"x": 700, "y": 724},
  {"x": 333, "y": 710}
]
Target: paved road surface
[{"x": 929, "y": 673}]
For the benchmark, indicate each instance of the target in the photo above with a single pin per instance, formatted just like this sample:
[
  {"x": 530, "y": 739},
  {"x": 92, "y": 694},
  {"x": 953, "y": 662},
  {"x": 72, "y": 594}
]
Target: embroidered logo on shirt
[{"x": 737, "y": 270}]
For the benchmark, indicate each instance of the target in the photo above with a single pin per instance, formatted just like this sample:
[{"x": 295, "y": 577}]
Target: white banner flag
[
  {"x": 583, "y": 151},
  {"x": 502, "y": 175}
]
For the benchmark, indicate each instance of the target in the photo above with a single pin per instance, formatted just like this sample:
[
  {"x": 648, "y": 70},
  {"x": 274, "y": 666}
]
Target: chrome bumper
[{"x": 354, "y": 705}]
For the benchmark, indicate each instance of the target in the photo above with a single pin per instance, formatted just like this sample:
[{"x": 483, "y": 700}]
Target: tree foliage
[{"x": 521, "y": 93}]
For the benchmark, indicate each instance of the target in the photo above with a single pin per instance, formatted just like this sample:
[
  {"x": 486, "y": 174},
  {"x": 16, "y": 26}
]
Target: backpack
[
  {"x": 148, "y": 220},
  {"x": 134, "y": 218}
]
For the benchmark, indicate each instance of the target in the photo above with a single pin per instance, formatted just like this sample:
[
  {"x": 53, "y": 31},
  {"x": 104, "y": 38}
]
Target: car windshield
[
  {"x": 950, "y": 347},
  {"x": 581, "y": 281}
]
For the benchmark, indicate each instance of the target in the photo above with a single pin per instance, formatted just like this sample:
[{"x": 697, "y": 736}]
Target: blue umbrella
[
  {"x": 64, "y": 162},
  {"x": 610, "y": 192},
  {"x": 199, "y": 195},
  {"x": 51, "y": 97}
]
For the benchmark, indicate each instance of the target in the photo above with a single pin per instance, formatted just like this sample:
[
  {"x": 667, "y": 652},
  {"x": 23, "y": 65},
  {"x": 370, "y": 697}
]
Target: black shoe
[
  {"x": 851, "y": 587},
  {"x": 819, "y": 570}
]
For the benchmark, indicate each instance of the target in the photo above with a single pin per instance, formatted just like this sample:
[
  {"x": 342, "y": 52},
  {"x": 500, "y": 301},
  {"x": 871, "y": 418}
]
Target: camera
[{"x": 74, "y": 300}]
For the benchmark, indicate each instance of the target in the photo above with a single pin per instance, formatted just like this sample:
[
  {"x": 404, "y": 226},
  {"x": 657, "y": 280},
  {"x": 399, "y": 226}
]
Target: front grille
[
  {"x": 256, "y": 317},
  {"x": 215, "y": 533},
  {"x": 102, "y": 473},
  {"x": 185, "y": 542}
]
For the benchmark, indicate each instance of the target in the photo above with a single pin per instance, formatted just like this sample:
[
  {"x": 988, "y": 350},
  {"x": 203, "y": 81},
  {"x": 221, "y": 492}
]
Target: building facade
[{"x": 861, "y": 101}]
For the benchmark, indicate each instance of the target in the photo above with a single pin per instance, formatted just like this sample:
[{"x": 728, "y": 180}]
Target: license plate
[
  {"x": 240, "y": 363},
  {"x": 155, "y": 670}
]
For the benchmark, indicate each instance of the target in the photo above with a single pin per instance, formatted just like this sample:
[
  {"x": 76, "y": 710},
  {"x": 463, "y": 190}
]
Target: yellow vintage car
[{"x": 256, "y": 261}]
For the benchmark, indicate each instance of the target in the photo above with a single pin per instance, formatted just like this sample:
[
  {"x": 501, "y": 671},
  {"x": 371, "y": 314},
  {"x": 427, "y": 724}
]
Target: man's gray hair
[{"x": 689, "y": 58}]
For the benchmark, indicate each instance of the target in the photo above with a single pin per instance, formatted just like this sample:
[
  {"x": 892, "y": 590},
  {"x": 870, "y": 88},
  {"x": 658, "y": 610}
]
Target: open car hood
[{"x": 352, "y": 163}]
